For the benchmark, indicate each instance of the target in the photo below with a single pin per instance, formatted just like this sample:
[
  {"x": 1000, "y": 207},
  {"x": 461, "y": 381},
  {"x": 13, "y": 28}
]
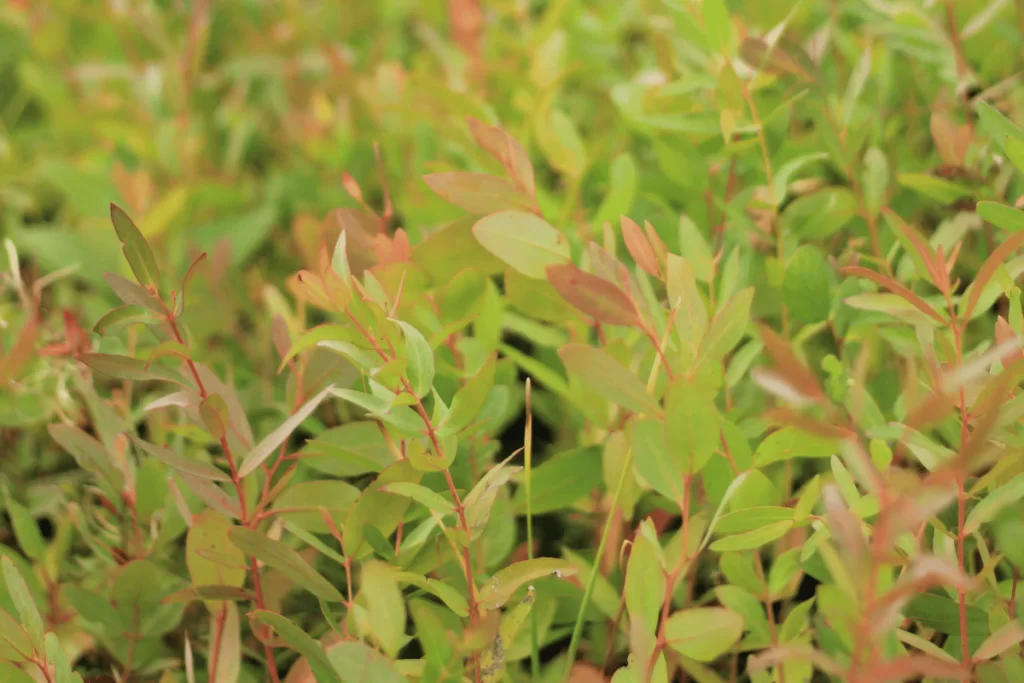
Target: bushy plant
[{"x": 704, "y": 366}]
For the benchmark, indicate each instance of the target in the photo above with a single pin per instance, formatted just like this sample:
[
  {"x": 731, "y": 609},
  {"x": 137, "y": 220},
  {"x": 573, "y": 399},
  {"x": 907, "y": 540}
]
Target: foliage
[{"x": 639, "y": 341}]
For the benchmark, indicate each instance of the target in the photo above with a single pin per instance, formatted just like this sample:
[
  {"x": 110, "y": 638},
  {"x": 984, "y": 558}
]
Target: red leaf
[
  {"x": 639, "y": 248},
  {"x": 595, "y": 296}
]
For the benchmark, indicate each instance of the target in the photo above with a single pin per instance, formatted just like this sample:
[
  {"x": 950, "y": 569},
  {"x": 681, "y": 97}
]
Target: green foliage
[{"x": 287, "y": 288}]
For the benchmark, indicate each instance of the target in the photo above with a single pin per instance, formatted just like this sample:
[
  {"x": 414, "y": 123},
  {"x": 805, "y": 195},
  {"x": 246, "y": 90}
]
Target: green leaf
[
  {"x": 493, "y": 658},
  {"x": 692, "y": 432},
  {"x": 9, "y": 672},
  {"x": 297, "y": 639},
  {"x": 939, "y": 189},
  {"x": 133, "y": 294},
  {"x": 214, "y": 412},
  {"x": 356, "y": 662},
  {"x": 789, "y": 443},
  {"x": 695, "y": 249},
  {"x": 448, "y": 595},
  {"x": 421, "y": 494},
  {"x": 278, "y": 556},
  {"x": 385, "y": 608},
  {"x": 522, "y": 240},
  {"x": 875, "y": 179},
  {"x": 185, "y": 465},
  {"x": 560, "y": 481},
  {"x": 659, "y": 468},
  {"x": 381, "y": 509},
  {"x": 480, "y": 500},
  {"x": 1015, "y": 150},
  {"x": 503, "y": 585},
  {"x": 703, "y": 633},
  {"x": 211, "y": 559},
  {"x": 691, "y": 321},
  {"x": 753, "y": 539},
  {"x": 997, "y": 124},
  {"x": 92, "y": 606},
  {"x": 621, "y": 189},
  {"x": 560, "y": 141},
  {"x": 468, "y": 400},
  {"x": 1001, "y": 216},
  {"x": 56, "y": 656},
  {"x": 989, "y": 506},
  {"x": 608, "y": 377},
  {"x": 797, "y": 621},
  {"x": 807, "y": 285},
  {"x": 136, "y": 249},
  {"x": 301, "y": 504},
  {"x": 727, "y": 328},
  {"x": 645, "y": 583},
  {"x": 352, "y": 449},
  {"x": 23, "y": 603},
  {"x": 419, "y": 360},
  {"x": 126, "y": 367},
  {"x": 717, "y": 26},
  {"x": 270, "y": 443},
  {"x": 26, "y": 531},
  {"x": 780, "y": 185},
  {"x": 749, "y": 519},
  {"x": 15, "y": 644}
]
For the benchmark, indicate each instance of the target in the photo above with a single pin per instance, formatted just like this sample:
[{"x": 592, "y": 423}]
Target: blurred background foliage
[{"x": 229, "y": 127}]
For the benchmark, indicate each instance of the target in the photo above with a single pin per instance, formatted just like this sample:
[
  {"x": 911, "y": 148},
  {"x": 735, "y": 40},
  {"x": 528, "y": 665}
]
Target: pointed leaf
[
  {"x": 264, "y": 449},
  {"x": 595, "y": 296},
  {"x": 279, "y": 556}
]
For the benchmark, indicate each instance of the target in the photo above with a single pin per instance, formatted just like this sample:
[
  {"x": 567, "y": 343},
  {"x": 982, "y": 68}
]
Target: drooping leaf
[
  {"x": 1001, "y": 216},
  {"x": 503, "y": 585},
  {"x": 299, "y": 641},
  {"x": 279, "y": 556},
  {"x": 270, "y": 443}
]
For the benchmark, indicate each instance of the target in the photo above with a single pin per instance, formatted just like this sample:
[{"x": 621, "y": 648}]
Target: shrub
[{"x": 709, "y": 372}]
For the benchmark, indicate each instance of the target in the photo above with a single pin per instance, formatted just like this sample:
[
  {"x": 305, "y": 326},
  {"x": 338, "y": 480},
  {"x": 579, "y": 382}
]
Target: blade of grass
[
  {"x": 577, "y": 629},
  {"x": 528, "y": 456}
]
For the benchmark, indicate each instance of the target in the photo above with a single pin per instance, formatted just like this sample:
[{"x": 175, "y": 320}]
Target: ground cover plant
[{"x": 518, "y": 341}]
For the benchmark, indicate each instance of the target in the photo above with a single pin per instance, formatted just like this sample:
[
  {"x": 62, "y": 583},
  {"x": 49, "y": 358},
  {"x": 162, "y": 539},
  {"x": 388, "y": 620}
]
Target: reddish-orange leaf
[
  {"x": 22, "y": 350},
  {"x": 1004, "y": 333},
  {"x": 988, "y": 269},
  {"x": 789, "y": 366},
  {"x": 897, "y": 289},
  {"x": 915, "y": 667},
  {"x": 595, "y": 296},
  {"x": 507, "y": 150},
  {"x": 660, "y": 250},
  {"x": 639, "y": 248}
]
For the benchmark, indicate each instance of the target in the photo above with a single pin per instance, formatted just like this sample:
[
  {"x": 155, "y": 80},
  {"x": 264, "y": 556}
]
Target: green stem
[
  {"x": 528, "y": 457},
  {"x": 577, "y": 629}
]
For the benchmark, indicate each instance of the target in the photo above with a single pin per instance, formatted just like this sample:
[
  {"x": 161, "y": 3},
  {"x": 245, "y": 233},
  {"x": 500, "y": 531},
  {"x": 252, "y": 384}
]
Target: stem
[
  {"x": 460, "y": 509},
  {"x": 961, "y": 501},
  {"x": 528, "y": 461},
  {"x": 577, "y": 629},
  {"x": 239, "y": 490}
]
